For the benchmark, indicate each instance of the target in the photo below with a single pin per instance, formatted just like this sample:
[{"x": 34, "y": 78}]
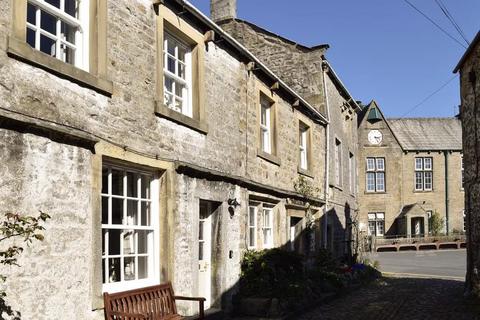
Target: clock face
[{"x": 375, "y": 137}]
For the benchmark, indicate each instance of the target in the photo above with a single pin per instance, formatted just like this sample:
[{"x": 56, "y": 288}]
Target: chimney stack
[{"x": 223, "y": 9}]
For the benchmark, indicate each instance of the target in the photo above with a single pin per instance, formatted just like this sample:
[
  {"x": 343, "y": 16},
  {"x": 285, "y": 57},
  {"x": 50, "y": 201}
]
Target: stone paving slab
[{"x": 398, "y": 299}]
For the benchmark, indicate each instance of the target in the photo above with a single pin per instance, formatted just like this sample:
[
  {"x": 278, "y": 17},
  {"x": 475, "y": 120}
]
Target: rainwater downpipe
[
  {"x": 447, "y": 200},
  {"x": 327, "y": 158}
]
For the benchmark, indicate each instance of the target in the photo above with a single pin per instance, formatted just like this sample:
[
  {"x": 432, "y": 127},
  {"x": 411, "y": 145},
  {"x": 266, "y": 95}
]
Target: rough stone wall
[
  {"x": 127, "y": 119},
  {"x": 470, "y": 95},
  {"x": 299, "y": 67},
  {"x": 343, "y": 126},
  {"x": 435, "y": 200},
  {"x": 390, "y": 201},
  {"x": 38, "y": 174}
]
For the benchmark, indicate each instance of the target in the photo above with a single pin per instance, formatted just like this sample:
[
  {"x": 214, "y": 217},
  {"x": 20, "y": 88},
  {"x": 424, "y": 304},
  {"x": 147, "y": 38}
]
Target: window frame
[
  {"x": 169, "y": 21},
  {"x": 267, "y": 242},
  {"x": 352, "y": 173},
  {"x": 250, "y": 227},
  {"x": 375, "y": 171},
  {"x": 154, "y": 252},
  {"x": 379, "y": 218},
  {"x": 96, "y": 76},
  {"x": 304, "y": 147},
  {"x": 420, "y": 174},
  {"x": 338, "y": 162},
  {"x": 264, "y": 93}
]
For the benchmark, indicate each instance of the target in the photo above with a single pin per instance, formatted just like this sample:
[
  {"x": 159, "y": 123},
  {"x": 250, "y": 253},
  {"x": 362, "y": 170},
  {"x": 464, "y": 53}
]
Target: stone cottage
[
  {"x": 307, "y": 70},
  {"x": 161, "y": 147},
  {"x": 409, "y": 169},
  {"x": 469, "y": 69}
]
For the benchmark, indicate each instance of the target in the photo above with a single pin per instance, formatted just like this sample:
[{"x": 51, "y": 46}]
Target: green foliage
[
  {"x": 26, "y": 229},
  {"x": 436, "y": 224},
  {"x": 271, "y": 273},
  {"x": 305, "y": 187},
  {"x": 325, "y": 261}
]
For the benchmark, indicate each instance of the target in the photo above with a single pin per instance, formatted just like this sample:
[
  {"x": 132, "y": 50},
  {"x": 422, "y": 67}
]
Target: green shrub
[{"x": 272, "y": 273}]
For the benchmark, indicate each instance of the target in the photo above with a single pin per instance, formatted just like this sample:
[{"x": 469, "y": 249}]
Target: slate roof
[{"x": 424, "y": 134}]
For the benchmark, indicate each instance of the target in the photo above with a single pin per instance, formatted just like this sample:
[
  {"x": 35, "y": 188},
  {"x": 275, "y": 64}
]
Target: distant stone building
[
  {"x": 307, "y": 71},
  {"x": 469, "y": 68},
  {"x": 409, "y": 169}
]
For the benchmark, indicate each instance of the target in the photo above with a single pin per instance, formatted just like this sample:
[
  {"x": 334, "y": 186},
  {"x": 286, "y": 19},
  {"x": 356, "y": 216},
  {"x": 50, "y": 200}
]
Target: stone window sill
[
  {"x": 268, "y": 157},
  {"x": 162, "y": 111},
  {"x": 423, "y": 191},
  {"x": 306, "y": 173},
  {"x": 372, "y": 192},
  {"x": 21, "y": 50}
]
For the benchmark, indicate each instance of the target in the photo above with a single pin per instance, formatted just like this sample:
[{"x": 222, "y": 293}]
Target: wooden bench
[{"x": 150, "y": 303}]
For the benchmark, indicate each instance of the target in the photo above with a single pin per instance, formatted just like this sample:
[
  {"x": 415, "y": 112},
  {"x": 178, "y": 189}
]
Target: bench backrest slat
[{"x": 156, "y": 301}]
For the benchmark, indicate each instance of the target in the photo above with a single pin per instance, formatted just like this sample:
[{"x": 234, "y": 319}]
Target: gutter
[
  {"x": 258, "y": 64},
  {"x": 447, "y": 200},
  {"x": 327, "y": 156}
]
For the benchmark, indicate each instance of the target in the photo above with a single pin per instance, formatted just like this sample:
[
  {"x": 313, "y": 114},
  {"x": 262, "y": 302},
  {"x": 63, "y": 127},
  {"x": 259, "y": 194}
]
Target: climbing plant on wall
[{"x": 14, "y": 229}]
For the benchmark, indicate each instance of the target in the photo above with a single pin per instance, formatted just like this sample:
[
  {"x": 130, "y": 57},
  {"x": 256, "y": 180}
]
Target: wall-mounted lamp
[
  {"x": 232, "y": 205},
  {"x": 233, "y": 202}
]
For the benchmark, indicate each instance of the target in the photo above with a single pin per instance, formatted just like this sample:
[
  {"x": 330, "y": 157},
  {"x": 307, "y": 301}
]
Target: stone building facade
[
  {"x": 469, "y": 69},
  {"x": 409, "y": 169},
  {"x": 307, "y": 70},
  {"x": 161, "y": 148}
]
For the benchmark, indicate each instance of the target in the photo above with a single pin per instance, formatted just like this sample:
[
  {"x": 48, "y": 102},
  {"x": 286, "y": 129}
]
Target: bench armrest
[
  {"x": 124, "y": 315},
  {"x": 201, "y": 302}
]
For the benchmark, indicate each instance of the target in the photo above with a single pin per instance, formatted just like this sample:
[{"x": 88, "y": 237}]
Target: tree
[
  {"x": 26, "y": 229},
  {"x": 436, "y": 224}
]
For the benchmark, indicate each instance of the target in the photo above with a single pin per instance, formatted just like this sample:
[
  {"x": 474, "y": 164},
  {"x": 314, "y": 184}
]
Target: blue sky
[{"x": 381, "y": 49}]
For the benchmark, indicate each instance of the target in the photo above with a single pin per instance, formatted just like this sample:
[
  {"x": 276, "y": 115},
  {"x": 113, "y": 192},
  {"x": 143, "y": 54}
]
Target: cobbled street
[{"x": 400, "y": 299}]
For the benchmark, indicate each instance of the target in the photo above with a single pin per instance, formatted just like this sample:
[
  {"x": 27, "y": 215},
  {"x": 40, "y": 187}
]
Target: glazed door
[{"x": 205, "y": 252}]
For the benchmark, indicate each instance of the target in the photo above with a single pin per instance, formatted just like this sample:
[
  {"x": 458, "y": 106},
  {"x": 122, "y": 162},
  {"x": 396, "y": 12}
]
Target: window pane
[
  {"x": 68, "y": 32},
  {"x": 200, "y": 251},
  {"x": 31, "y": 37},
  {"x": 55, "y": 3},
  {"x": 251, "y": 237},
  {"x": 418, "y": 164},
  {"x": 168, "y": 83},
  {"x": 428, "y": 180},
  {"x": 171, "y": 64},
  {"x": 251, "y": 218},
  {"x": 142, "y": 241},
  {"x": 132, "y": 212},
  {"x": 370, "y": 164},
  {"x": 145, "y": 187},
  {"x": 370, "y": 181},
  {"x": 263, "y": 116},
  {"x": 105, "y": 180},
  {"x": 48, "y": 22},
  {"x": 380, "y": 228},
  {"x": 129, "y": 268},
  {"x": 104, "y": 233},
  {"x": 114, "y": 270},
  {"x": 47, "y": 45},
  {"x": 145, "y": 213},
  {"x": 428, "y": 163},
  {"x": 31, "y": 17},
  {"x": 128, "y": 242},
  {"x": 371, "y": 228},
  {"x": 170, "y": 44},
  {"x": 418, "y": 180},
  {"x": 117, "y": 211},
  {"x": 117, "y": 182},
  {"x": 380, "y": 164},
  {"x": 104, "y": 210},
  {"x": 132, "y": 184},
  {"x": 181, "y": 53},
  {"x": 114, "y": 242},
  {"x": 180, "y": 90},
  {"x": 142, "y": 267},
  {"x": 200, "y": 230},
  {"x": 103, "y": 270},
  {"x": 380, "y": 181},
  {"x": 71, "y": 7}
]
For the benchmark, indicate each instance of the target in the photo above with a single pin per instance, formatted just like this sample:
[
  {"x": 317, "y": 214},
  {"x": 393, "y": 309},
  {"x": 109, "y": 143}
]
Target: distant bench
[{"x": 150, "y": 303}]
